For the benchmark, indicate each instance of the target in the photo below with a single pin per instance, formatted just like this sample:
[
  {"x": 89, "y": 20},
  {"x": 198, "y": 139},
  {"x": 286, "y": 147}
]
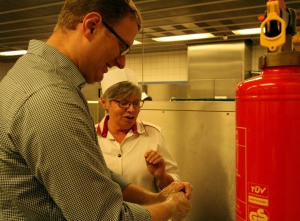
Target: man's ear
[{"x": 90, "y": 22}]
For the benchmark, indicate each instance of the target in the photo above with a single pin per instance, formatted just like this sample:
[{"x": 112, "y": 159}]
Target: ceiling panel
[{"x": 23, "y": 20}]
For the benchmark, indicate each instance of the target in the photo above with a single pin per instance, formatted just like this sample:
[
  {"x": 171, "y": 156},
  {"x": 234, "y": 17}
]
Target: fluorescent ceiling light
[
  {"x": 137, "y": 42},
  {"x": 92, "y": 102},
  {"x": 13, "y": 53},
  {"x": 184, "y": 37},
  {"x": 250, "y": 31}
]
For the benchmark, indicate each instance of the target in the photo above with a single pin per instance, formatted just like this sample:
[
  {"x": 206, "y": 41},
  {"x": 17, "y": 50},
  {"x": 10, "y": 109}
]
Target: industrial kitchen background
[{"x": 192, "y": 83}]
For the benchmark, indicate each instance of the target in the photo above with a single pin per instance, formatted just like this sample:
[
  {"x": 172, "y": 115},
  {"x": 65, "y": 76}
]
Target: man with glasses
[
  {"x": 124, "y": 48},
  {"x": 125, "y": 139},
  {"x": 51, "y": 166}
]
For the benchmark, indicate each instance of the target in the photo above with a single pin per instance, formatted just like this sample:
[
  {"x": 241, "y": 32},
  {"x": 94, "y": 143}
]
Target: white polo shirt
[{"x": 128, "y": 159}]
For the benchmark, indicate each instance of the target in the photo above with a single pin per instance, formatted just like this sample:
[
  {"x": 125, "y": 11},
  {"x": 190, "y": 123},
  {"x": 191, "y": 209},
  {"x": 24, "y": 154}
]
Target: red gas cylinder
[{"x": 268, "y": 141}]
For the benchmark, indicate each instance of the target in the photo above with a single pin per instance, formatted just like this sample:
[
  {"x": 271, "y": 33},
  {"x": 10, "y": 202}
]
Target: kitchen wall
[
  {"x": 257, "y": 51},
  {"x": 160, "y": 66},
  {"x": 215, "y": 70},
  {"x": 167, "y": 67},
  {"x": 201, "y": 137},
  {"x": 4, "y": 67},
  {"x": 170, "y": 67}
]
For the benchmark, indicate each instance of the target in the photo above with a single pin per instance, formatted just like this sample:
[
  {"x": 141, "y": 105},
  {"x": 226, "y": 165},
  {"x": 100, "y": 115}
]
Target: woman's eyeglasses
[{"x": 126, "y": 104}]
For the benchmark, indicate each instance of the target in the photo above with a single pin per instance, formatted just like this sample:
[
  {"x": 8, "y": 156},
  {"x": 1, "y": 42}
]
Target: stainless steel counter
[{"x": 201, "y": 136}]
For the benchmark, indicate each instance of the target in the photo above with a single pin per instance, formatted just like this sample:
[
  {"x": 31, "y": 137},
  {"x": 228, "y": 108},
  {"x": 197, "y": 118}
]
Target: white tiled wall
[
  {"x": 160, "y": 66},
  {"x": 170, "y": 66},
  {"x": 257, "y": 51}
]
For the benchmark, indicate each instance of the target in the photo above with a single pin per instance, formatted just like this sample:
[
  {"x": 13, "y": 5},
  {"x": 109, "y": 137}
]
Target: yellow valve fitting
[{"x": 272, "y": 43}]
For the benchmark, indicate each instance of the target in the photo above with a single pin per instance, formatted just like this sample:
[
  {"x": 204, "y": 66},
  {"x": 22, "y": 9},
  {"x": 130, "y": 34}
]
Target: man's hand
[
  {"x": 181, "y": 205},
  {"x": 178, "y": 195},
  {"x": 175, "y": 187}
]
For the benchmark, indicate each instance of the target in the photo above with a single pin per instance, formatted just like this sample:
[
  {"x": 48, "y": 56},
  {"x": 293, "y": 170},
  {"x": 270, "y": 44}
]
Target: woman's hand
[{"x": 155, "y": 163}]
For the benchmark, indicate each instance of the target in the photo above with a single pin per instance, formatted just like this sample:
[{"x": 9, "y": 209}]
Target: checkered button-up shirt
[{"x": 50, "y": 164}]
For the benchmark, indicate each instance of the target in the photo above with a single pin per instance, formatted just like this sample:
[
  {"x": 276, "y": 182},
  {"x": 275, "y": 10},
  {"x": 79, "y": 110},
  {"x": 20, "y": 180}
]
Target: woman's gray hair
[{"x": 121, "y": 91}]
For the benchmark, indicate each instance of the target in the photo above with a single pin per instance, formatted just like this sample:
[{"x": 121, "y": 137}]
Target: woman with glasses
[{"x": 131, "y": 147}]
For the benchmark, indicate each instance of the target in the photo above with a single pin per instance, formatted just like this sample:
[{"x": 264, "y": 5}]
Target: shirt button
[{"x": 119, "y": 155}]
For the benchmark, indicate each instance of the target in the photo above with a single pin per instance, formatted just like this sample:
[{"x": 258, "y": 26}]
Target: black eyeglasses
[
  {"x": 125, "y": 49},
  {"x": 126, "y": 104}
]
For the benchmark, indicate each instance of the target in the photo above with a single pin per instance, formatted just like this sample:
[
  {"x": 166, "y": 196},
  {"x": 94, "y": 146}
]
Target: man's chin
[{"x": 100, "y": 77}]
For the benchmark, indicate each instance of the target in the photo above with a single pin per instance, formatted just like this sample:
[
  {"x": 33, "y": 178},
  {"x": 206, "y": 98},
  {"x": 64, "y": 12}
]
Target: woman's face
[{"x": 123, "y": 118}]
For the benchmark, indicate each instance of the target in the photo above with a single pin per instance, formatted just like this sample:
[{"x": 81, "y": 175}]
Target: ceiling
[{"x": 23, "y": 20}]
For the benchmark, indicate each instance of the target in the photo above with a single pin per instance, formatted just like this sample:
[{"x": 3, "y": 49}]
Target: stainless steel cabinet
[{"x": 201, "y": 137}]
